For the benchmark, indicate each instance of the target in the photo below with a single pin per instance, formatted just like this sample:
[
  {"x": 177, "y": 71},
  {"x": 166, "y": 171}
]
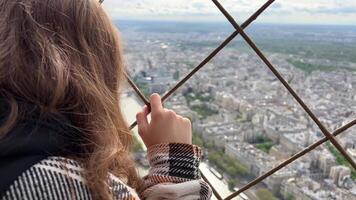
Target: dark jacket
[{"x": 33, "y": 138}]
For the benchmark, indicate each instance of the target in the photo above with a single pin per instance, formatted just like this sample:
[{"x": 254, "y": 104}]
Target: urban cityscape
[{"x": 242, "y": 116}]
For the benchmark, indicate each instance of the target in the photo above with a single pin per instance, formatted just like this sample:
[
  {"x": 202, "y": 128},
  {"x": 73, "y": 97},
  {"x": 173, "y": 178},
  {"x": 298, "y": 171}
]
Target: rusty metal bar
[
  {"x": 217, "y": 50},
  {"x": 284, "y": 82},
  {"x": 133, "y": 125},
  {"x": 290, "y": 160},
  {"x": 137, "y": 90},
  {"x": 214, "y": 53},
  {"x": 203, "y": 63}
]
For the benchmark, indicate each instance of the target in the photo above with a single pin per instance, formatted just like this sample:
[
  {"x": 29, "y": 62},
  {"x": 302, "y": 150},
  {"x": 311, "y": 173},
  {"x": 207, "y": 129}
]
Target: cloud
[
  {"x": 331, "y": 11},
  {"x": 337, "y": 10}
]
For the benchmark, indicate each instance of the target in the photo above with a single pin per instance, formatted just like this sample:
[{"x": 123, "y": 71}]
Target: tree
[
  {"x": 290, "y": 197},
  {"x": 137, "y": 146},
  {"x": 265, "y": 194},
  {"x": 197, "y": 140},
  {"x": 231, "y": 184}
]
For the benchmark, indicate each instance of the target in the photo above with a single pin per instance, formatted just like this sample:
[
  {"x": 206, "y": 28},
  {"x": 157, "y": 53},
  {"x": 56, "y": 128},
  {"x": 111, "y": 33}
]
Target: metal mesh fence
[{"x": 239, "y": 30}]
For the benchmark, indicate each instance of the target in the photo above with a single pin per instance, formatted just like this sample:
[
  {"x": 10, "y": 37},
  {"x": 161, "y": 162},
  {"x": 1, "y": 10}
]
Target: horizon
[{"x": 226, "y": 23}]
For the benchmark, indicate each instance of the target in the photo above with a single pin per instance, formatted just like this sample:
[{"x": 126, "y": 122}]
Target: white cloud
[{"x": 282, "y": 11}]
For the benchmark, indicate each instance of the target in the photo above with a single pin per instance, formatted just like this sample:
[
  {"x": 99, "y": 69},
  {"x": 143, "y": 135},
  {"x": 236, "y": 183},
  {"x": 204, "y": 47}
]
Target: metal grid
[{"x": 239, "y": 30}]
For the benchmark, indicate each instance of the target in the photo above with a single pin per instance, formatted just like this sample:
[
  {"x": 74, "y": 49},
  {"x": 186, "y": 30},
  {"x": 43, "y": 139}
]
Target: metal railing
[{"x": 239, "y": 30}]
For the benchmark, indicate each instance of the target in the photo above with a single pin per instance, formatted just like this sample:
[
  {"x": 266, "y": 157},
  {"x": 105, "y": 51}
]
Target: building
[
  {"x": 325, "y": 161},
  {"x": 339, "y": 174}
]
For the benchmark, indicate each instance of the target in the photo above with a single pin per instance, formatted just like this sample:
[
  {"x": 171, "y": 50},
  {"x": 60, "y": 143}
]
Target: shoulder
[
  {"x": 52, "y": 178},
  {"x": 59, "y": 178}
]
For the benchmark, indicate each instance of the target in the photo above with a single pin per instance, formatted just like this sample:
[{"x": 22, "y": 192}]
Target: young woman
[{"x": 62, "y": 134}]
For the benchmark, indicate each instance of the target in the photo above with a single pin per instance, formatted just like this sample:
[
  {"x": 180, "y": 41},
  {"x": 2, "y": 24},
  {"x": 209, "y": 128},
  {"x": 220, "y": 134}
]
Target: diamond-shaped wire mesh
[{"x": 239, "y": 30}]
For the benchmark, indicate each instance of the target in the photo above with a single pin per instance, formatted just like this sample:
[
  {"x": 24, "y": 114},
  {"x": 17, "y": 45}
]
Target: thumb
[{"x": 142, "y": 121}]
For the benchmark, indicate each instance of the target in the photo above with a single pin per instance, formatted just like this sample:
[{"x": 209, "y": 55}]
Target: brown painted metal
[
  {"x": 137, "y": 90},
  {"x": 286, "y": 85}
]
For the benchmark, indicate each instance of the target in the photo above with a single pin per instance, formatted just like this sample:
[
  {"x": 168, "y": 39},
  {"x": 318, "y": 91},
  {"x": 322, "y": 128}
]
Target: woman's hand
[{"x": 165, "y": 125}]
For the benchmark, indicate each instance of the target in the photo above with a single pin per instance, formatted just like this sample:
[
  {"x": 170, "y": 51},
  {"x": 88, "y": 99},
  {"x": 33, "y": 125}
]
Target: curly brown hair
[{"x": 65, "y": 57}]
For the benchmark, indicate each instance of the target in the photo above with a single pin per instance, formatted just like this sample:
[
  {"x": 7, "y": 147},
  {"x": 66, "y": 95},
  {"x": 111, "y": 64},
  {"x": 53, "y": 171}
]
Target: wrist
[{"x": 174, "y": 157}]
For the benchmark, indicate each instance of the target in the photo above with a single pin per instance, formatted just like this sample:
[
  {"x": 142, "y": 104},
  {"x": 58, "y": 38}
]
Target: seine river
[{"x": 131, "y": 106}]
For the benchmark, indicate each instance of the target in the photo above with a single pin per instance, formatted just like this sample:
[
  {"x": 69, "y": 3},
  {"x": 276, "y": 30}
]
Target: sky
[{"x": 341, "y": 12}]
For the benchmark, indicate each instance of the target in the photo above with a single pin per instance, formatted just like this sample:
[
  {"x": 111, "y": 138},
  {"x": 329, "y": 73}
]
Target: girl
[{"x": 62, "y": 134}]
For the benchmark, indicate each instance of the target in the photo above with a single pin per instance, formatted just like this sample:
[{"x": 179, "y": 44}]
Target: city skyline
[{"x": 338, "y": 12}]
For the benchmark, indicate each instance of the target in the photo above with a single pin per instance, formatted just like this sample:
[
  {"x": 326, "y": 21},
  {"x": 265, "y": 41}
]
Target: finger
[
  {"x": 186, "y": 120},
  {"x": 156, "y": 103},
  {"x": 146, "y": 110},
  {"x": 169, "y": 110},
  {"x": 170, "y": 113},
  {"x": 142, "y": 121}
]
